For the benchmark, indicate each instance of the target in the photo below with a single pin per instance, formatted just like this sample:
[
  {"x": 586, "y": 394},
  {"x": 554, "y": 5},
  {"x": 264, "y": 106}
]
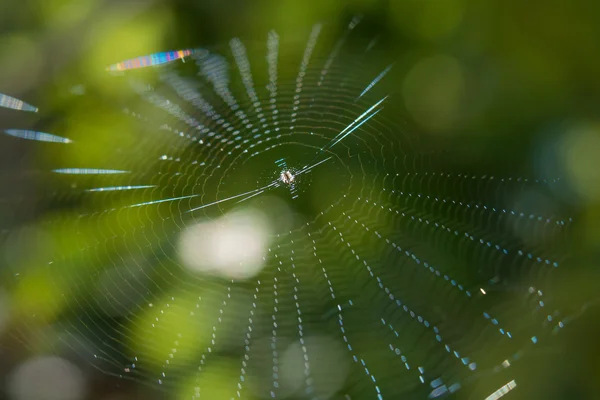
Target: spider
[{"x": 287, "y": 177}]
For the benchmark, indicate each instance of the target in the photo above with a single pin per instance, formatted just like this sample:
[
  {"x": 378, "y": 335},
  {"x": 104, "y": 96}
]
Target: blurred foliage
[{"x": 508, "y": 79}]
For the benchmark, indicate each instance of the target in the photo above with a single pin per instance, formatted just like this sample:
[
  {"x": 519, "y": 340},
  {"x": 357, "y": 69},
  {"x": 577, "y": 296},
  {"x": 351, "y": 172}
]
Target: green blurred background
[{"x": 516, "y": 82}]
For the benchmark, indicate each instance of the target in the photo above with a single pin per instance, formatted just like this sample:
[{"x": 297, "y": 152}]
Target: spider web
[{"x": 419, "y": 277}]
